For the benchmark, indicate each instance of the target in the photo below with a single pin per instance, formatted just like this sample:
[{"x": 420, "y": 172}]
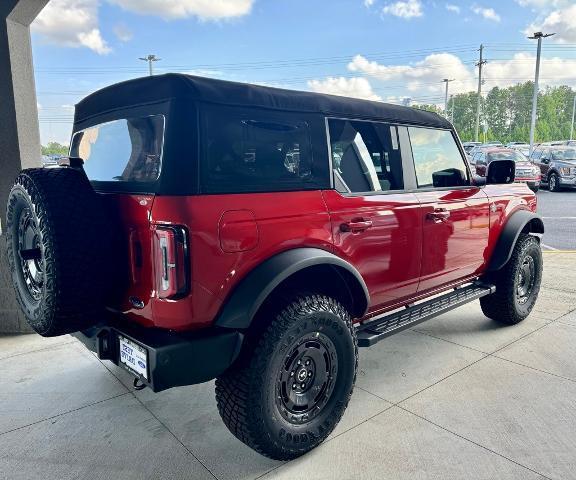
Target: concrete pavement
[{"x": 458, "y": 397}]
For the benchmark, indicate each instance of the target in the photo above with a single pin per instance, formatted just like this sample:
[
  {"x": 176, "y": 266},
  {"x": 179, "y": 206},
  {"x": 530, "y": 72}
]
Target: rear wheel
[
  {"x": 517, "y": 283},
  {"x": 58, "y": 245},
  {"x": 291, "y": 387}
]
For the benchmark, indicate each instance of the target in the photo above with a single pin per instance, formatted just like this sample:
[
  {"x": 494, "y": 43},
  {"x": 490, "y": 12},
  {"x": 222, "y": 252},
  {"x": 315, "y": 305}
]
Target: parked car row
[{"x": 549, "y": 165}]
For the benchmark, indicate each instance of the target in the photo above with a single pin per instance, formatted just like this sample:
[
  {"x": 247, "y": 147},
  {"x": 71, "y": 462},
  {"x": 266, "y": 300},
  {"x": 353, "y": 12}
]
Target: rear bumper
[{"x": 174, "y": 359}]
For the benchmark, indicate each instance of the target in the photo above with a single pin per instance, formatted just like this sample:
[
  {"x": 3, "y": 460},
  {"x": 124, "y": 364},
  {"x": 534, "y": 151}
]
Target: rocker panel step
[{"x": 381, "y": 327}]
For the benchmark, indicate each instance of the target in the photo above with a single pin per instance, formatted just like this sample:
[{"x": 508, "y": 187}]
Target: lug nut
[{"x": 302, "y": 385}]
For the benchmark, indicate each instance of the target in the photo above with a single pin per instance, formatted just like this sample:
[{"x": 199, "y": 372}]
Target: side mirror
[{"x": 500, "y": 172}]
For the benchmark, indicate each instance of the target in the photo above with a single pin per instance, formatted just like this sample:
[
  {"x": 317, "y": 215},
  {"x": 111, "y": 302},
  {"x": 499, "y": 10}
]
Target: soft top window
[
  {"x": 255, "y": 151},
  {"x": 123, "y": 150}
]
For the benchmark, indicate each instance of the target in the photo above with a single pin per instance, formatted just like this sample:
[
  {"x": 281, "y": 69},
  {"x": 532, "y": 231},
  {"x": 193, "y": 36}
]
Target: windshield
[
  {"x": 564, "y": 154},
  {"x": 507, "y": 155}
]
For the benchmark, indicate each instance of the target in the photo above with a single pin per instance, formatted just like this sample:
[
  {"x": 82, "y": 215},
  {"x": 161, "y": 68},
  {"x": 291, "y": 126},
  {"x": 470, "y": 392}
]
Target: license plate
[{"x": 133, "y": 356}]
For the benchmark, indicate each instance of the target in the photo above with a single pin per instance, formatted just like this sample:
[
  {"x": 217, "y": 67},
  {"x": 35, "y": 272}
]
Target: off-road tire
[
  {"x": 554, "y": 183},
  {"x": 73, "y": 245},
  {"x": 504, "y": 305},
  {"x": 246, "y": 394}
]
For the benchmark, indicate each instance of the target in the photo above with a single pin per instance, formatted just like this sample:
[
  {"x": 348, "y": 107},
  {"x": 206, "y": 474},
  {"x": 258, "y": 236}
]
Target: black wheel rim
[
  {"x": 30, "y": 254},
  {"x": 307, "y": 377},
  {"x": 526, "y": 279}
]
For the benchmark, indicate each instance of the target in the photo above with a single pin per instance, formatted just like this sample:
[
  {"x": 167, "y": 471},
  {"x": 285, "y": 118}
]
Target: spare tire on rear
[{"x": 58, "y": 245}]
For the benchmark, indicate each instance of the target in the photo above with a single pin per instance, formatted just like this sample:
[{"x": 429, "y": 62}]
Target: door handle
[
  {"x": 356, "y": 226},
  {"x": 439, "y": 215}
]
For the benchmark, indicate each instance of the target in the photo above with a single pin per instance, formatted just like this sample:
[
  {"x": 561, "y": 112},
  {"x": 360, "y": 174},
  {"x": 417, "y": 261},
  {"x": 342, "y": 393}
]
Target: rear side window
[
  {"x": 437, "y": 159},
  {"x": 255, "y": 152},
  {"x": 365, "y": 156},
  {"x": 124, "y": 150}
]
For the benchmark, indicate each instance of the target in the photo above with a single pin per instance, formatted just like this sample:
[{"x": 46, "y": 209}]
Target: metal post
[
  {"x": 573, "y": 115},
  {"x": 480, "y": 63},
  {"x": 537, "y": 36},
  {"x": 446, "y": 81},
  {"x": 150, "y": 59}
]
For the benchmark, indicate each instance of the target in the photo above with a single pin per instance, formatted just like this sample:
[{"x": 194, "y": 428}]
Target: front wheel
[
  {"x": 290, "y": 389},
  {"x": 517, "y": 283},
  {"x": 554, "y": 183}
]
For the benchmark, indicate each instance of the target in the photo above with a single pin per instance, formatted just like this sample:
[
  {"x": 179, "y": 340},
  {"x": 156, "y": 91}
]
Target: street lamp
[
  {"x": 150, "y": 59},
  {"x": 537, "y": 36}
]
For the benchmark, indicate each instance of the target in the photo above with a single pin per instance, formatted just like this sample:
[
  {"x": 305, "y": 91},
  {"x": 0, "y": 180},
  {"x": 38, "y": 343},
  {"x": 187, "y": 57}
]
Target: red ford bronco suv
[{"x": 206, "y": 229}]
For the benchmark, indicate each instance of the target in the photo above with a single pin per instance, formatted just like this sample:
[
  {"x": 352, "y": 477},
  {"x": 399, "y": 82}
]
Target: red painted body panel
[
  {"x": 388, "y": 253},
  {"x": 284, "y": 220},
  {"x": 453, "y": 248},
  {"x": 402, "y": 254}
]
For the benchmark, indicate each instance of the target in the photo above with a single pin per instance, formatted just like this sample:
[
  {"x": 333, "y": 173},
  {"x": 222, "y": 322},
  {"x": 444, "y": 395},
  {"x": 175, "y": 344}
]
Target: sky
[{"x": 385, "y": 50}]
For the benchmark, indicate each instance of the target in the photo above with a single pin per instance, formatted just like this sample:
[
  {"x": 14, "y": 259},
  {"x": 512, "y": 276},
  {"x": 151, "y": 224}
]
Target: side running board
[{"x": 385, "y": 325}]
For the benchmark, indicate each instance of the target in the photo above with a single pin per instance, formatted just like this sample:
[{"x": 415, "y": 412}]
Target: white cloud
[
  {"x": 357, "y": 87},
  {"x": 453, "y": 8},
  {"x": 425, "y": 75},
  {"x": 368, "y": 3},
  {"x": 122, "y": 32},
  {"x": 554, "y": 71},
  {"x": 203, "y": 9},
  {"x": 487, "y": 13},
  {"x": 71, "y": 23},
  {"x": 422, "y": 80},
  {"x": 562, "y": 22},
  {"x": 404, "y": 9},
  {"x": 544, "y": 4}
]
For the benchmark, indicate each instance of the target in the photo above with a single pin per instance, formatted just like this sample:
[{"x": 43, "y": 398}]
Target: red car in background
[{"x": 526, "y": 171}]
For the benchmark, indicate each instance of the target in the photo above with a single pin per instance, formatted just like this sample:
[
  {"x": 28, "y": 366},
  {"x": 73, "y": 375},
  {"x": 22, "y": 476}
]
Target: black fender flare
[
  {"x": 515, "y": 225},
  {"x": 244, "y": 302}
]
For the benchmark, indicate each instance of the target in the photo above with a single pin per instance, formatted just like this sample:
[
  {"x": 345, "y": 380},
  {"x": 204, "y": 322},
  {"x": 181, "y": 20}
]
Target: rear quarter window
[
  {"x": 254, "y": 151},
  {"x": 124, "y": 150}
]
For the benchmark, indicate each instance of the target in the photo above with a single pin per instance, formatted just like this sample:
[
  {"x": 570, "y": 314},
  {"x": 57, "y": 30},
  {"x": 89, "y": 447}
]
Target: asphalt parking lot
[
  {"x": 459, "y": 397},
  {"x": 559, "y": 213}
]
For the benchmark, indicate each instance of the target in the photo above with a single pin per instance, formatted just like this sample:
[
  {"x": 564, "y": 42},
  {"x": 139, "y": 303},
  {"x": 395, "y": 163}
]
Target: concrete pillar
[{"x": 19, "y": 130}]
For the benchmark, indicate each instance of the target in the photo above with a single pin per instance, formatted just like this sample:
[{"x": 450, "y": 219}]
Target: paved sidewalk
[{"x": 459, "y": 397}]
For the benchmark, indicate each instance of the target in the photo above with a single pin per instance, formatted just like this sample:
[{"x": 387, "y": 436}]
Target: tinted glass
[
  {"x": 365, "y": 156},
  {"x": 251, "y": 153},
  {"x": 437, "y": 159},
  {"x": 564, "y": 154},
  {"x": 507, "y": 155},
  {"x": 126, "y": 150}
]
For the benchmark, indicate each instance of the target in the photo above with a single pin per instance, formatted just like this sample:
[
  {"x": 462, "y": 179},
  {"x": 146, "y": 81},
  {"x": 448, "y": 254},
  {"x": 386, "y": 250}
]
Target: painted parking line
[{"x": 549, "y": 248}]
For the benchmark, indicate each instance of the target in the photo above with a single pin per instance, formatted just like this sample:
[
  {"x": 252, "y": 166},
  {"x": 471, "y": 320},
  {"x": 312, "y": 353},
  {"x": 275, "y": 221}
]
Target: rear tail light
[{"x": 172, "y": 262}]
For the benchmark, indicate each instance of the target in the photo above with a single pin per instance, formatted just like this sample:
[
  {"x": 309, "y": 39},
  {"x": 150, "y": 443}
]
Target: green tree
[{"x": 54, "y": 148}]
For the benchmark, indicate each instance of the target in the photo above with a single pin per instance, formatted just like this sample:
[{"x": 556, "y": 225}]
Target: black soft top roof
[{"x": 146, "y": 90}]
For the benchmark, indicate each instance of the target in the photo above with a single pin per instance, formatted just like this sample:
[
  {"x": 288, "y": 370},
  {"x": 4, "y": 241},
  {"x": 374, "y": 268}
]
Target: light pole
[
  {"x": 480, "y": 64},
  {"x": 447, "y": 82},
  {"x": 537, "y": 36},
  {"x": 150, "y": 59},
  {"x": 573, "y": 115}
]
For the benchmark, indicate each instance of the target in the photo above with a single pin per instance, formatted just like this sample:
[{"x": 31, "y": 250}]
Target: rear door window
[
  {"x": 437, "y": 159},
  {"x": 255, "y": 152},
  {"x": 124, "y": 150},
  {"x": 365, "y": 156}
]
